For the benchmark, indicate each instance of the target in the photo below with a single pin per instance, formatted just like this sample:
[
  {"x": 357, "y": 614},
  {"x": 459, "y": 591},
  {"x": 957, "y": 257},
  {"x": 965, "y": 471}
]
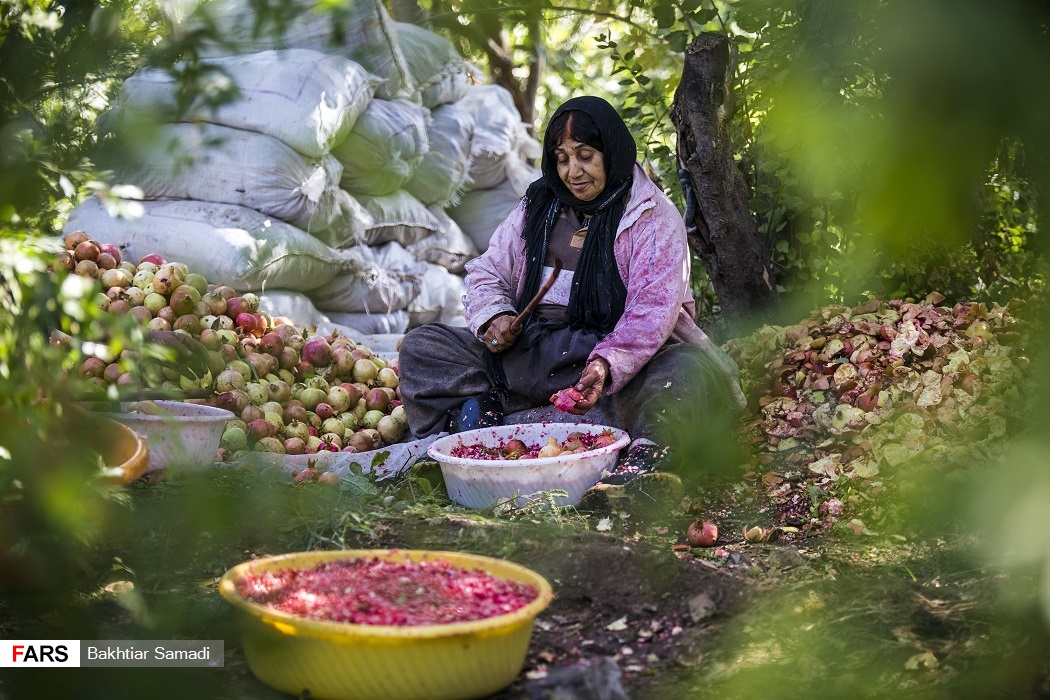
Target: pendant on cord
[{"x": 580, "y": 235}]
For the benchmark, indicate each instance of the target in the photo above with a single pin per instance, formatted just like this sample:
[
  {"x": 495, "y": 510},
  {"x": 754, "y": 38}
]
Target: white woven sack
[
  {"x": 392, "y": 256},
  {"x": 306, "y": 99},
  {"x": 440, "y": 74},
  {"x": 440, "y": 298},
  {"x": 369, "y": 324},
  {"x": 352, "y": 224},
  {"x": 501, "y": 140},
  {"x": 442, "y": 171},
  {"x": 361, "y": 30},
  {"x": 294, "y": 306},
  {"x": 227, "y": 244},
  {"x": 383, "y": 149},
  {"x": 450, "y": 248},
  {"x": 215, "y": 163},
  {"x": 480, "y": 212},
  {"x": 383, "y": 280},
  {"x": 398, "y": 217}
]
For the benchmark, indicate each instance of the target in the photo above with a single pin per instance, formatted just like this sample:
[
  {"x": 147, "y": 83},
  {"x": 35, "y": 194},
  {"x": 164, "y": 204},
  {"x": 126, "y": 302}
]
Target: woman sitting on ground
[{"x": 616, "y": 329}]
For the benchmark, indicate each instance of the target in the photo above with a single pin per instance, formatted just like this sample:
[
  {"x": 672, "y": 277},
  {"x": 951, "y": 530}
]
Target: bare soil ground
[{"x": 636, "y": 608}]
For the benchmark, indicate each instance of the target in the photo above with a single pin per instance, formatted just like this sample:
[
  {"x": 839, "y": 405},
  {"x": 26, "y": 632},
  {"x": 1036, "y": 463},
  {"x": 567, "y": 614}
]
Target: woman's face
[{"x": 581, "y": 168}]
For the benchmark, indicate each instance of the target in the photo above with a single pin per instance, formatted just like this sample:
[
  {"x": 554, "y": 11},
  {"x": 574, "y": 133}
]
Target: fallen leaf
[
  {"x": 772, "y": 479},
  {"x": 924, "y": 659},
  {"x": 618, "y": 625}
]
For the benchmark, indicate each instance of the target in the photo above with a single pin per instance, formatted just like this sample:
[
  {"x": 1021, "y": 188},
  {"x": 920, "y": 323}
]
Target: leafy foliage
[{"x": 61, "y": 62}]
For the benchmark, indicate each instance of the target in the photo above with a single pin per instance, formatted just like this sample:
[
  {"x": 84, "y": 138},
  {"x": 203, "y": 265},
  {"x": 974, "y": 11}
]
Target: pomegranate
[
  {"x": 235, "y": 306},
  {"x": 111, "y": 250},
  {"x": 305, "y": 476},
  {"x": 365, "y": 370},
  {"x": 106, "y": 262},
  {"x": 377, "y": 400},
  {"x": 295, "y": 446},
  {"x": 702, "y": 533},
  {"x": 66, "y": 261},
  {"x": 246, "y": 322},
  {"x": 317, "y": 352},
  {"x": 88, "y": 250},
  {"x": 566, "y": 399},
  {"x": 74, "y": 239},
  {"x": 259, "y": 429},
  {"x": 86, "y": 268},
  {"x": 272, "y": 344}
]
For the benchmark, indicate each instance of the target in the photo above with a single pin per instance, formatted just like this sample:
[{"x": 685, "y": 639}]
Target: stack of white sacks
[{"x": 358, "y": 169}]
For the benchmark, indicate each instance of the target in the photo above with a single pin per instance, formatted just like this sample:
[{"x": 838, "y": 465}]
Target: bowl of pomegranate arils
[
  {"x": 483, "y": 466},
  {"x": 397, "y": 624}
]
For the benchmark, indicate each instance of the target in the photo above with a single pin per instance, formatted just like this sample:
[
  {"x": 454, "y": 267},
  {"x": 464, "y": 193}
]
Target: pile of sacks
[{"x": 358, "y": 166}]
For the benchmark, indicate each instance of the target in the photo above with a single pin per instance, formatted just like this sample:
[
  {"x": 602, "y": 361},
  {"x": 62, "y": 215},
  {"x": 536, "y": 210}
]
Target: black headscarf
[{"x": 598, "y": 293}]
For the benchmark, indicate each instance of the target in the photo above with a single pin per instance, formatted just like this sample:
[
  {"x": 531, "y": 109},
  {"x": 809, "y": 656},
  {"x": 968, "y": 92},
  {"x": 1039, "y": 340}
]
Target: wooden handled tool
[{"x": 515, "y": 325}]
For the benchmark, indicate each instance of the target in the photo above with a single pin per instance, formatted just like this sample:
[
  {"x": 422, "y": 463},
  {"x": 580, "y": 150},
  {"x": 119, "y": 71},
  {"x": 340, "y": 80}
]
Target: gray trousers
[{"x": 443, "y": 366}]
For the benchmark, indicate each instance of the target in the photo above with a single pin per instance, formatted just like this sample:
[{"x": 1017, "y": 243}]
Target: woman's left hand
[{"x": 591, "y": 383}]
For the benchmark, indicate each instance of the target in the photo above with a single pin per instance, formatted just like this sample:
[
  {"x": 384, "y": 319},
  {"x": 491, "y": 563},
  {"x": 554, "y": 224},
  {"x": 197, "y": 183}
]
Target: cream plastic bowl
[
  {"x": 479, "y": 483},
  {"x": 182, "y": 436}
]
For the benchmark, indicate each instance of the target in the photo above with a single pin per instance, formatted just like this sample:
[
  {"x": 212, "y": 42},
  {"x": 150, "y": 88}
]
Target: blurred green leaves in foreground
[{"x": 895, "y": 147}]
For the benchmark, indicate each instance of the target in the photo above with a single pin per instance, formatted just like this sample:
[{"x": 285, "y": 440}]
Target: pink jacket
[{"x": 653, "y": 258}]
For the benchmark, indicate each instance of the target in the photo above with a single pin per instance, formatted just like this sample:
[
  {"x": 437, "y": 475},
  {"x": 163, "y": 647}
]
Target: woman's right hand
[{"x": 499, "y": 335}]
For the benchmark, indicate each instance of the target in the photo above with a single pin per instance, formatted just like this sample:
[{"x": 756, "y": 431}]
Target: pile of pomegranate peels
[
  {"x": 374, "y": 591},
  {"x": 848, "y": 395}
]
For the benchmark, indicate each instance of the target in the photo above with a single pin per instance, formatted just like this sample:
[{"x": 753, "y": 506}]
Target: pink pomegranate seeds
[
  {"x": 574, "y": 443},
  {"x": 371, "y": 591}
]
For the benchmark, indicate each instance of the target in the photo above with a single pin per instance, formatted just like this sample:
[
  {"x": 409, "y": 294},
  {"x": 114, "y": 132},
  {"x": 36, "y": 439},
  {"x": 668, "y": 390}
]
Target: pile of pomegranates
[{"x": 294, "y": 391}]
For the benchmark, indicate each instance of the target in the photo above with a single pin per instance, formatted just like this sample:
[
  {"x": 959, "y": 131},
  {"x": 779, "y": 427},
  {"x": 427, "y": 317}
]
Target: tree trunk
[
  {"x": 722, "y": 230},
  {"x": 407, "y": 11}
]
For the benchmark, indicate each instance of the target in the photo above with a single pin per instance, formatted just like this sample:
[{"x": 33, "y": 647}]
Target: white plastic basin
[
  {"x": 183, "y": 438},
  {"x": 479, "y": 483}
]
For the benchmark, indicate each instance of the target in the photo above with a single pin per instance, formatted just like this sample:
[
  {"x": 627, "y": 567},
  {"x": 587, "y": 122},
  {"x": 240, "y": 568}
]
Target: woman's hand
[
  {"x": 499, "y": 335},
  {"x": 591, "y": 383}
]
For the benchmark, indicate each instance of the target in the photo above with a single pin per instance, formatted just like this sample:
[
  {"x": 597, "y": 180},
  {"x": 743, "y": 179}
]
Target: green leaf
[
  {"x": 357, "y": 485},
  {"x": 380, "y": 458},
  {"x": 677, "y": 40},
  {"x": 705, "y": 16},
  {"x": 664, "y": 14}
]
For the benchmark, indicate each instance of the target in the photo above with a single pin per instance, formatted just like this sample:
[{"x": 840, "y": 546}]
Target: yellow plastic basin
[
  {"x": 120, "y": 447},
  {"x": 342, "y": 661}
]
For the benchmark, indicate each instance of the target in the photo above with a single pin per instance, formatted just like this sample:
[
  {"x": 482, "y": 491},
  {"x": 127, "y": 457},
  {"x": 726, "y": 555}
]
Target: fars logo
[{"x": 39, "y": 653}]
